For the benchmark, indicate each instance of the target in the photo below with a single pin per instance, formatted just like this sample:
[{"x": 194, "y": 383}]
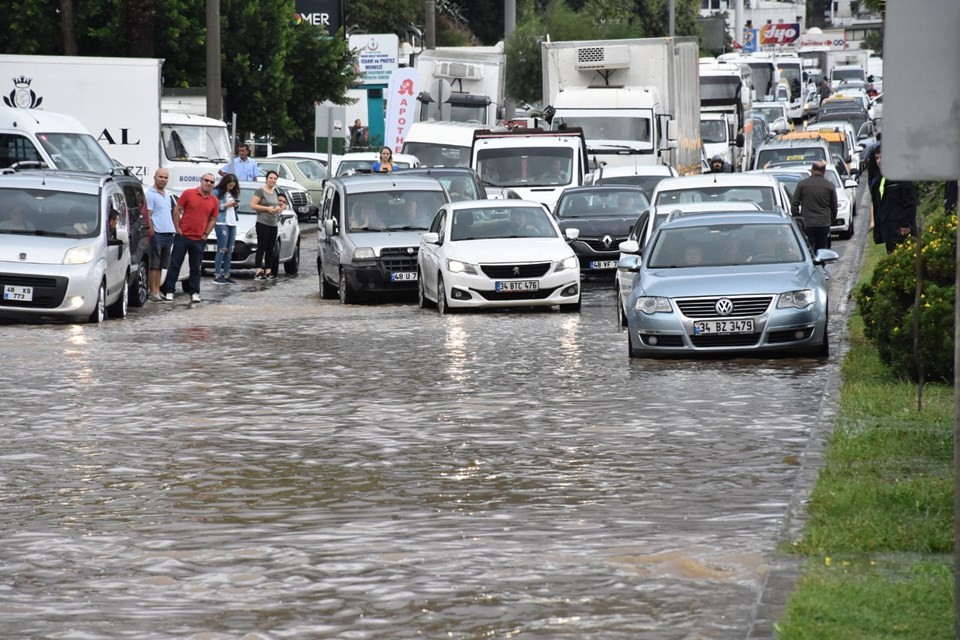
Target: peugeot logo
[
  {"x": 22, "y": 256},
  {"x": 607, "y": 241},
  {"x": 516, "y": 271},
  {"x": 724, "y": 306}
]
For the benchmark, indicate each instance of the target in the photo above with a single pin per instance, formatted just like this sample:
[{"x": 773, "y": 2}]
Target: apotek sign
[{"x": 783, "y": 33}]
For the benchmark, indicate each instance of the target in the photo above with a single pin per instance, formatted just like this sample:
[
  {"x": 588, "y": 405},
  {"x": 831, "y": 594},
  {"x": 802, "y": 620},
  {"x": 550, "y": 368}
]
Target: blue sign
[{"x": 750, "y": 37}]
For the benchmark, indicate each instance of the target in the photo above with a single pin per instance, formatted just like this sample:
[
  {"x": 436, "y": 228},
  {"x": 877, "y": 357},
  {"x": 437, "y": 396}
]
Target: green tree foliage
[
  {"x": 886, "y": 303},
  {"x": 323, "y": 68},
  {"x": 486, "y": 19},
  {"x": 383, "y": 16},
  {"x": 591, "y": 20},
  {"x": 32, "y": 27}
]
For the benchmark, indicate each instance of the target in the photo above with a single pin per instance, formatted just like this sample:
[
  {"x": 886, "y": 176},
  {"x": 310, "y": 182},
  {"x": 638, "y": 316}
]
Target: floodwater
[{"x": 270, "y": 465}]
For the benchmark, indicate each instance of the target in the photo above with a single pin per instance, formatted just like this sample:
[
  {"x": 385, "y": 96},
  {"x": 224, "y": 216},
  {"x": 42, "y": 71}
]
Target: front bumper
[
  {"x": 58, "y": 290},
  {"x": 479, "y": 291}
]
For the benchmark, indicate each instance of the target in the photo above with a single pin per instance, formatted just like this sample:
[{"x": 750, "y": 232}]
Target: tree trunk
[
  {"x": 140, "y": 17},
  {"x": 67, "y": 26}
]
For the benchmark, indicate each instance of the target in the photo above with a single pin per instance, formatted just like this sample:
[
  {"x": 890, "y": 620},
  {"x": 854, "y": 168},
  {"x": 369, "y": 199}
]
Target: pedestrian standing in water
[
  {"x": 266, "y": 203},
  {"x": 815, "y": 200},
  {"x": 228, "y": 195},
  {"x": 193, "y": 219}
]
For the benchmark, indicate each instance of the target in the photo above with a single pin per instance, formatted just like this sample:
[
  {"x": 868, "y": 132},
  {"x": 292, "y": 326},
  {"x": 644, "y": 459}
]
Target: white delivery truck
[
  {"x": 636, "y": 100},
  {"x": 726, "y": 90},
  {"x": 536, "y": 164},
  {"x": 34, "y": 138},
  {"x": 461, "y": 84},
  {"x": 118, "y": 100}
]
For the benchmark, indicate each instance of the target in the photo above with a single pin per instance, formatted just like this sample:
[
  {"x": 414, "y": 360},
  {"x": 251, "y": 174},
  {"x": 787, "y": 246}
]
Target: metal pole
[
  {"x": 430, "y": 24},
  {"x": 673, "y": 18},
  {"x": 509, "y": 26},
  {"x": 738, "y": 22},
  {"x": 214, "y": 97}
]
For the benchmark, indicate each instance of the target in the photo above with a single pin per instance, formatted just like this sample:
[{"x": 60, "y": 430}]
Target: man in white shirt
[{"x": 242, "y": 166}]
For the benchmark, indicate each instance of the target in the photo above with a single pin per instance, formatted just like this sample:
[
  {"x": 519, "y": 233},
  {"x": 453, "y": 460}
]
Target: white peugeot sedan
[{"x": 497, "y": 253}]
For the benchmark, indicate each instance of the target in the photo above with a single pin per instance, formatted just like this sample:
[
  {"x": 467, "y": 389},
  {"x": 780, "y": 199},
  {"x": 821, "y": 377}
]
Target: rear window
[
  {"x": 763, "y": 196},
  {"x": 766, "y": 157}
]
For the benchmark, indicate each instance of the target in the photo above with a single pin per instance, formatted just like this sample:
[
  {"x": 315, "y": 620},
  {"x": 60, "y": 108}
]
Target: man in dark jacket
[
  {"x": 894, "y": 209},
  {"x": 815, "y": 200}
]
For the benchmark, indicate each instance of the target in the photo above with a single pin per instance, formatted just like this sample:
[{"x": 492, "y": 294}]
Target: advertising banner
[
  {"x": 401, "y": 100},
  {"x": 326, "y": 14},
  {"x": 783, "y": 33}
]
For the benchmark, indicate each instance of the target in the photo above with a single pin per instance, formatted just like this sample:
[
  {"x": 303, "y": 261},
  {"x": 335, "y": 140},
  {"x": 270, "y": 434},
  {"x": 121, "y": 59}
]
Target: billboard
[
  {"x": 379, "y": 56},
  {"x": 782, "y": 33},
  {"x": 325, "y": 14}
]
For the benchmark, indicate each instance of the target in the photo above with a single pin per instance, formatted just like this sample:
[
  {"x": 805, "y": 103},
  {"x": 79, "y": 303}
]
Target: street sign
[{"x": 750, "y": 40}]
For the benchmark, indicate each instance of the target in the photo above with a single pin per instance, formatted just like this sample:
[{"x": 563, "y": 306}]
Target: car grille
[
  {"x": 743, "y": 306},
  {"x": 48, "y": 292},
  {"x": 737, "y": 340},
  {"x": 497, "y": 296},
  {"x": 508, "y": 271},
  {"x": 597, "y": 245},
  {"x": 297, "y": 198},
  {"x": 399, "y": 259}
]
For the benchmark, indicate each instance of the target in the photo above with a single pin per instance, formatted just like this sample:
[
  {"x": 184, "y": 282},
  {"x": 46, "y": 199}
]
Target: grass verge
[{"x": 879, "y": 533}]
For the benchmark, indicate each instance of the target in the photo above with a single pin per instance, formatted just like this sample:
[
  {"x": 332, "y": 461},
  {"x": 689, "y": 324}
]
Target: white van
[
  {"x": 440, "y": 144},
  {"x": 33, "y": 137}
]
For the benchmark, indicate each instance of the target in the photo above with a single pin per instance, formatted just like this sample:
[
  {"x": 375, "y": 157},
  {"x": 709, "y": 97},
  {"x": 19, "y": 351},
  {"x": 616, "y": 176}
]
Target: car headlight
[
  {"x": 799, "y": 299},
  {"x": 364, "y": 253},
  {"x": 252, "y": 233},
  {"x": 843, "y": 203},
  {"x": 653, "y": 304},
  {"x": 78, "y": 255},
  {"x": 567, "y": 263},
  {"x": 455, "y": 266}
]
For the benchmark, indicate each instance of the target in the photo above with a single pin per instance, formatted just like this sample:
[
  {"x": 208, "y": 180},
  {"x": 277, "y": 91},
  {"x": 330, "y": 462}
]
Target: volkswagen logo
[
  {"x": 724, "y": 306},
  {"x": 607, "y": 241},
  {"x": 22, "y": 256},
  {"x": 516, "y": 271}
]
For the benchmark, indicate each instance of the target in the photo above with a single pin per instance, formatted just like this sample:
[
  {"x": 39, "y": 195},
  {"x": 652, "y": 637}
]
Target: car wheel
[
  {"x": 327, "y": 292},
  {"x": 443, "y": 306},
  {"x": 631, "y": 350},
  {"x": 99, "y": 313},
  {"x": 823, "y": 349},
  {"x": 846, "y": 235},
  {"x": 422, "y": 300},
  {"x": 292, "y": 266},
  {"x": 347, "y": 295},
  {"x": 139, "y": 288},
  {"x": 621, "y": 314},
  {"x": 119, "y": 308}
]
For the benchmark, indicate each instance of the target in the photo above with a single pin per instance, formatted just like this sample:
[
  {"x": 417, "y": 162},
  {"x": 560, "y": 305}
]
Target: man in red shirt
[{"x": 193, "y": 219}]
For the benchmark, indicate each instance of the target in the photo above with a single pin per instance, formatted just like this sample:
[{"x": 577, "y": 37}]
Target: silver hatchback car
[{"x": 64, "y": 246}]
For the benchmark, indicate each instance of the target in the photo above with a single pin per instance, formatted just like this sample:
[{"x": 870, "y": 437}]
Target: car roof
[
  {"x": 54, "y": 180},
  {"x": 370, "y": 182},
  {"x": 753, "y": 218},
  {"x": 507, "y": 203},
  {"x": 719, "y": 179},
  {"x": 593, "y": 188},
  {"x": 639, "y": 170}
]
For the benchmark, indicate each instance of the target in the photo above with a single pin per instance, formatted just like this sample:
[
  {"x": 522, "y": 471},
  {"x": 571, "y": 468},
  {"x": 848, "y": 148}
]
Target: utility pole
[
  {"x": 509, "y": 26},
  {"x": 430, "y": 24},
  {"x": 214, "y": 97}
]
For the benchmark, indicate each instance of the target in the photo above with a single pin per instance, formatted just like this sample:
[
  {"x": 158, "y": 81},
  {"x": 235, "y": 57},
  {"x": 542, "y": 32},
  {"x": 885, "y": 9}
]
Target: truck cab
[
  {"x": 190, "y": 147},
  {"x": 34, "y": 137},
  {"x": 537, "y": 165}
]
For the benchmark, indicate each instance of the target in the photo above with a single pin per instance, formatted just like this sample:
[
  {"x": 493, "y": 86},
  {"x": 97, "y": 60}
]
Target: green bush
[{"x": 886, "y": 303}]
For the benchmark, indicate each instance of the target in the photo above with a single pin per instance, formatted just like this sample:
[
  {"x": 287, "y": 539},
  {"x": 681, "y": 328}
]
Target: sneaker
[
  {"x": 219, "y": 280},
  {"x": 259, "y": 276},
  {"x": 167, "y": 297},
  {"x": 156, "y": 297},
  {"x": 228, "y": 280},
  {"x": 271, "y": 276},
  {"x": 194, "y": 297}
]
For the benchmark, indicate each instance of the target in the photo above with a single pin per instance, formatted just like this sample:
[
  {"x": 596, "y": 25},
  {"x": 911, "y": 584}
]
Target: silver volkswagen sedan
[{"x": 728, "y": 283}]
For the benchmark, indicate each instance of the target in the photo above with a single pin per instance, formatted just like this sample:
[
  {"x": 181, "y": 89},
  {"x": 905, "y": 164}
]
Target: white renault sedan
[{"x": 497, "y": 253}]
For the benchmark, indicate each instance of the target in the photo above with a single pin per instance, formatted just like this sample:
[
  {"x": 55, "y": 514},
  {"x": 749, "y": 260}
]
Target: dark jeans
[
  {"x": 819, "y": 238},
  {"x": 266, "y": 242},
  {"x": 182, "y": 248}
]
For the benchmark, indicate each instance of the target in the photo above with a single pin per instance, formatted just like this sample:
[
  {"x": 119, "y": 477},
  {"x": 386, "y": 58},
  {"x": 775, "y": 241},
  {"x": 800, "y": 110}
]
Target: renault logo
[
  {"x": 724, "y": 307},
  {"x": 516, "y": 271},
  {"x": 607, "y": 241}
]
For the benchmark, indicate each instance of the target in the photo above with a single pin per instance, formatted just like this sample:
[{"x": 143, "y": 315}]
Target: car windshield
[
  {"x": 433, "y": 154},
  {"x": 195, "y": 142},
  {"x": 488, "y": 223},
  {"x": 398, "y": 210},
  {"x": 459, "y": 188},
  {"x": 246, "y": 194},
  {"x": 724, "y": 245},
  {"x": 833, "y": 178},
  {"x": 712, "y": 131},
  {"x": 777, "y": 155},
  {"x": 75, "y": 151},
  {"x": 43, "y": 212},
  {"x": 538, "y": 167},
  {"x": 312, "y": 170},
  {"x": 771, "y": 113},
  {"x": 761, "y": 195},
  {"x": 598, "y": 203}
]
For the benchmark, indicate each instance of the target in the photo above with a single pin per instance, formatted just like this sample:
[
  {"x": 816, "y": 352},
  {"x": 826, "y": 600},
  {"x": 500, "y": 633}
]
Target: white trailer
[
  {"x": 726, "y": 90},
  {"x": 118, "y": 100},
  {"x": 461, "y": 84},
  {"x": 636, "y": 100}
]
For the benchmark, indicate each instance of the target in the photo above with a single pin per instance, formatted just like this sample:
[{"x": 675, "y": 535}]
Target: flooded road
[{"x": 270, "y": 465}]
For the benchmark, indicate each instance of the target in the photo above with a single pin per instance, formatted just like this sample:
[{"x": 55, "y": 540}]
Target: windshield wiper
[
  {"x": 407, "y": 228},
  {"x": 366, "y": 229},
  {"x": 36, "y": 232}
]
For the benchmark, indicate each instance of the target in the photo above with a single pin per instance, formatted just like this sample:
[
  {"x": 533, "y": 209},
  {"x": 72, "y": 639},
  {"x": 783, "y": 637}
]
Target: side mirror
[
  {"x": 630, "y": 246},
  {"x": 629, "y": 263},
  {"x": 571, "y": 234},
  {"x": 329, "y": 228},
  {"x": 850, "y": 183},
  {"x": 430, "y": 238},
  {"x": 672, "y": 132},
  {"x": 826, "y": 256},
  {"x": 740, "y": 140}
]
